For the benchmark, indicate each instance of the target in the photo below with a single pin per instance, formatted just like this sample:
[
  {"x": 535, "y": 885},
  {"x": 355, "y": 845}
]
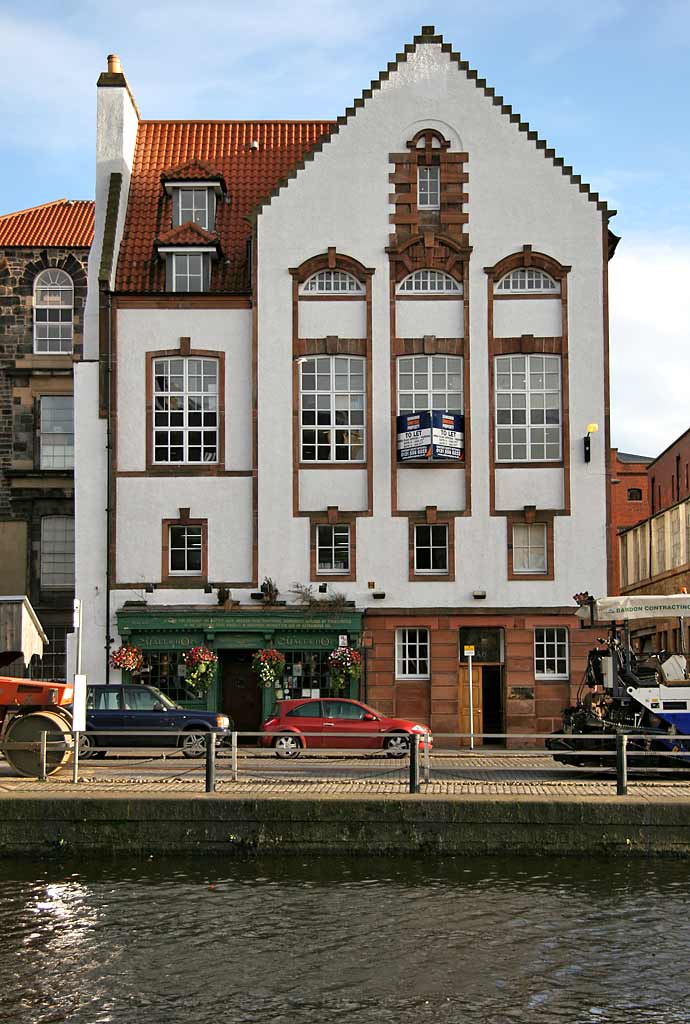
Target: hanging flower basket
[
  {"x": 269, "y": 666},
  {"x": 344, "y": 666},
  {"x": 199, "y": 662},
  {"x": 128, "y": 658}
]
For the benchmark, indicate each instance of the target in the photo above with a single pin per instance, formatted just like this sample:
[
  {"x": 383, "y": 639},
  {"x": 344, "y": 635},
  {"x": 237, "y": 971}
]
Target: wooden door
[
  {"x": 464, "y": 703},
  {"x": 241, "y": 692}
]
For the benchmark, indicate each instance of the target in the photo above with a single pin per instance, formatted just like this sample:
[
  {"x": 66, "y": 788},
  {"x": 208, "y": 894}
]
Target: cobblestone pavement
[{"x": 516, "y": 775}]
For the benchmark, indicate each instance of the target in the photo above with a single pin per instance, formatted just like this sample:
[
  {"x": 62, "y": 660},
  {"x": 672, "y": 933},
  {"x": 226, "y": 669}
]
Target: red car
[{"x": 300, "y": 721}]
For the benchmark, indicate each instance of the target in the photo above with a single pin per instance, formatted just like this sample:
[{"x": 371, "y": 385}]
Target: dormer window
[
  {"x": 193, "y": 204},
  {"x": 188, "y": 272}
]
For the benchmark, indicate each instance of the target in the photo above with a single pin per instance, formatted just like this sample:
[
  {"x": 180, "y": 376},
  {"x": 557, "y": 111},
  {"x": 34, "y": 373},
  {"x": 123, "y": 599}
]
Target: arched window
[
  {"x": 429, "y": 282},
  {"x": 332, "y": 282},
  {"x": 53, "y": 312},
  {"x": 528, "y": 279}
]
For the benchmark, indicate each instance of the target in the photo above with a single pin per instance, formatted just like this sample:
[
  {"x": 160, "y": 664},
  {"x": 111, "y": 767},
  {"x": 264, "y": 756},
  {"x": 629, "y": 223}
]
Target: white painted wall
[
  {"x": 346, "y": 487},
  {"x": 516, "y": 488},
  {"x": 323, "y": 318},
  {"x": 150, "y": 330},
  {"x": 142, "y": 505},
  {"x": 516, "y": 197},
  {"x": 416, "y": 318},
  {"x": 418, "y": 488},
  {"x": 515, "y": 317}
]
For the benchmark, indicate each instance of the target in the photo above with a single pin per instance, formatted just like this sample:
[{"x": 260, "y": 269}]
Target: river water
[{"x": 356, "y": 940}]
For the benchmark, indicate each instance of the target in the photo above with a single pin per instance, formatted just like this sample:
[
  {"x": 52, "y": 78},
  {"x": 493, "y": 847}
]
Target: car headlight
[{"x": 222, "y": 721}]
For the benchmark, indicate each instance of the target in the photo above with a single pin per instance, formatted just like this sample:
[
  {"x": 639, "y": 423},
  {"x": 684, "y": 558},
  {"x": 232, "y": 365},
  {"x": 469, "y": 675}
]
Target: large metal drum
[{"x": 28, "y": 729}]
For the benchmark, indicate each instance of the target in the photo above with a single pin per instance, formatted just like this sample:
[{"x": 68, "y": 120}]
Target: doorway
[
  {"x": 241, "y": 694},
  {"x": 492, "y": 704}
]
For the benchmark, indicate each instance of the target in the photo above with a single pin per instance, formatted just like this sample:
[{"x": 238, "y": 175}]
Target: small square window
[
  {"x": 412, "y": 654},
  {"x": 529, "y": 548},
  {"x": 431, "y": 549},
  {"x": 185, "y": 550},
  {"x": 333, "y": 549},
  {"x": 551, "y": 653}
]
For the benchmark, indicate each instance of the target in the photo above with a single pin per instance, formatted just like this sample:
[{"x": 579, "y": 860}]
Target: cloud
[{"x": 649, "y": 302}]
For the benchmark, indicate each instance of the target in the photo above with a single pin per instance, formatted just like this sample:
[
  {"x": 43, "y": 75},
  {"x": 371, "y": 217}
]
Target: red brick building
[{"x": 629, "y": 503}]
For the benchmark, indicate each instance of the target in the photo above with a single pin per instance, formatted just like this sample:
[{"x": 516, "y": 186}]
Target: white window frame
[
  {"x": 187, "y": 275},
  {"x": 57, "y": 565},
  {"x": 519, "y": 406},
  {"x": 53, "y": 294},
  {"x": 429, "y": 542},
  {"x": 552, "y": 645},
  {"x": 199, "y": 207},
  {"x": 528, "y": 281},
  {"x": 420, "y": 643},
  {"x": 332, "y": 282},
  {"x": 179, "y": 405},
  {"x": 333, "y": 547},
  {"x": 430, "y": 282},
  {"x": 530, "y": 545},
  {"x": 332, "y": 397},
  {"x": 186, "y": 548},
  {"x": 417, "y": 375},
  {"x": 50, "y": 434},
  {"x": 429, "y": 187}
]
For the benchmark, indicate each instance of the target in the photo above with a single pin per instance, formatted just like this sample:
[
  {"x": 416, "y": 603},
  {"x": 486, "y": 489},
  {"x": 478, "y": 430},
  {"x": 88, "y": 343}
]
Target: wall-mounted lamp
[
  {"x": 479, "y": 595},
  {"x": 208, "y": 589},
  {"x": 379, "y": 595},
  {"x": 591, "y": 429},
  {"x": 150, "y": 587},
  {"x": 323, "y": 588}
]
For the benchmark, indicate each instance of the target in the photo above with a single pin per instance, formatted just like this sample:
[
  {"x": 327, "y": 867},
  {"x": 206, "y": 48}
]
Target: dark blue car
[{"x": 144, "y": 708}]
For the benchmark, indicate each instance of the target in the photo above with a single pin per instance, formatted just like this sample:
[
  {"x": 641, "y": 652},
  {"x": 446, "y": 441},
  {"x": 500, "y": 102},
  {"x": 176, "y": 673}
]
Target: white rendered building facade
[{"x": 378, "y": 387}]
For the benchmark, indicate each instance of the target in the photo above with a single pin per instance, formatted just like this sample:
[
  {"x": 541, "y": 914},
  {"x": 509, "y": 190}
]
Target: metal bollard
[
  {"x": 233, "y": 740},
  {"x": 621, "y": 764},
  {"x": 414, "y": 764},
  {"x": 427, "y": 761},
  {"x": 42, "y": 756},
  {"x": 211, "y": 762}
]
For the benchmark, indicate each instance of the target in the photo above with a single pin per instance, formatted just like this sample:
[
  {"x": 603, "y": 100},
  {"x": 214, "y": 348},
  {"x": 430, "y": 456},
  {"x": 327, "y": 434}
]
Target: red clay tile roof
[
  {"x": 224, "y": 148},
  {"x": 186, "y": 234},
  {"x": 64, "y": 223},
  {"x": 194, "y": 170}
]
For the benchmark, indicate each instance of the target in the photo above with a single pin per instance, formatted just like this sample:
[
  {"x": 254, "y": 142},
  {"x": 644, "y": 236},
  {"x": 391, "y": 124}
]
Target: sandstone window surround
[
  {"x": 551, "y": 652},
  {"x": 184, "y": 550},
  {"x": 53, "y": 312},
  {"x": 429, "y": 187},
  {"x": 333, "y": 546},
  {"x": 185, "y": 414},
  {"x": 431, "y": 546},
  {"x": 412, "y": 653}
]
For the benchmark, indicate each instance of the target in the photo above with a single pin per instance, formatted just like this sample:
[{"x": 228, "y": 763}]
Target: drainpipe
[{"x": 108, "y": 485}]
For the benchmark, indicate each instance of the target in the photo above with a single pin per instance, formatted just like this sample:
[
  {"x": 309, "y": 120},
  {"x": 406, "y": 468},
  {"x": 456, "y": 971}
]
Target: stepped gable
[
  {"x": 428, "y": 35},
  {"x": 62, "y": 223},
  {"x": 224, "y": 150}
]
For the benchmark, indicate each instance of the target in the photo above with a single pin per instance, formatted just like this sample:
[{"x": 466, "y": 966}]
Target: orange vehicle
[{"x": 28, "y": 708}]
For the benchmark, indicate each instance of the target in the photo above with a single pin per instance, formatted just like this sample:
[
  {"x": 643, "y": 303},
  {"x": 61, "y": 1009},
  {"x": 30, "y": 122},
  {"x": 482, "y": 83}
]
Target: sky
[{"x": 606, "y": 82}]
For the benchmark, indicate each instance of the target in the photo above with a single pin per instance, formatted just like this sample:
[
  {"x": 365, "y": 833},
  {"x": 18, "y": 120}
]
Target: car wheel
[
  {"x": 193, "y": 744},
  {"x": 397, "y": 745},
  {"x": 87, "y": 746},
  {"x": 287, "y": 745}
]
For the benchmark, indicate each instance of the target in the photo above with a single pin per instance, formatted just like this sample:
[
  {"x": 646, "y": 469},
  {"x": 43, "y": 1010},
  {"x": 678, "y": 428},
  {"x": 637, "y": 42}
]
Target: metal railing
[{"x": 415, "y": 769}]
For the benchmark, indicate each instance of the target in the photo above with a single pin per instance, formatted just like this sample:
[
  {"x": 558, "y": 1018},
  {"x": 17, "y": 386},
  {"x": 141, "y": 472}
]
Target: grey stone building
[{"x": 43, "y": 264}]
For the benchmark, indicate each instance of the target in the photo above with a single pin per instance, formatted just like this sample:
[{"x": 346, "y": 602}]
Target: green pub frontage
[{"x": 305, "y": 638}]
